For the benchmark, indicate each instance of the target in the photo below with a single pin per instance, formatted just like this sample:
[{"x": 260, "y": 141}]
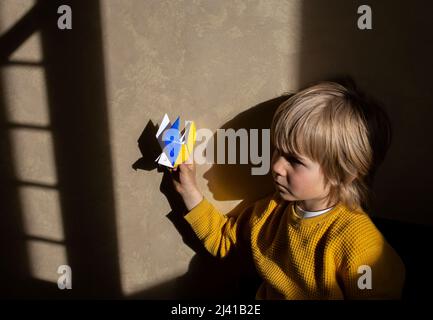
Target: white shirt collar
[{"x": 309, "y": 214}]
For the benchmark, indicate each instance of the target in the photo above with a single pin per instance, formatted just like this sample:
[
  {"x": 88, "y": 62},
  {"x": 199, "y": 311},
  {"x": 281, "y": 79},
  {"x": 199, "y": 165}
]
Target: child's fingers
[
  {"x": 189, "y": 163},
  {"x": 183, "y": 166},
  {"x": 189, "y": 167},
  {"x": 190, "y": 160}
]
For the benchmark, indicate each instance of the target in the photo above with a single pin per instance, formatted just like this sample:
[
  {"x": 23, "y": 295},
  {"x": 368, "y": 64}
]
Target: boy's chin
[{"x": 285, "y": 195}]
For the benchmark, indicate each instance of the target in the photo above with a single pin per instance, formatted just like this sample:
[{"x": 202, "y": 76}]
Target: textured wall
[
  {"x": 75, "y": 103},
  {"x": 203, "y": 60}
]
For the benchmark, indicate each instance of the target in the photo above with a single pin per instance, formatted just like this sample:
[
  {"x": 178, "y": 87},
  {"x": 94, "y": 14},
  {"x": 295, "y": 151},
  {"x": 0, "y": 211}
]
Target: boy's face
[{"x": 299, "y": 179}]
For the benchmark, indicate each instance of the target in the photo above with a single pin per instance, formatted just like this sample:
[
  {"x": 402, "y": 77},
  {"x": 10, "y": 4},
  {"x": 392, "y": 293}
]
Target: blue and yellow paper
[{"x": 176, "y": 146}]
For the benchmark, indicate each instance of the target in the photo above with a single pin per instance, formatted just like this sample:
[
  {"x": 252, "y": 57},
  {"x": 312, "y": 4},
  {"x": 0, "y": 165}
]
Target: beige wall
[
  {"x": 206, "y": 61},
  {"x": 217, "y": 63}
]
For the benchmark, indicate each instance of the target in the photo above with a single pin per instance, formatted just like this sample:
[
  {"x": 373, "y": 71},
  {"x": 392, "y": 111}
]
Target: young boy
[{"x": 311, "y": 239}]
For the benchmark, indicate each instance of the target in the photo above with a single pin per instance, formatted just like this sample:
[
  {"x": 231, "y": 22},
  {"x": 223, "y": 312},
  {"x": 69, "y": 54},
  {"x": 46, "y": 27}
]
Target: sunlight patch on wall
[
  {"x": 30, "y": 51},
  {"x": 41, "y": 212},
  {"x": 33, "y": 156},
  {"x": 9, "y": 13},
  {"x": 26, "y": 95},
  {"x": 45, "y": 258}
]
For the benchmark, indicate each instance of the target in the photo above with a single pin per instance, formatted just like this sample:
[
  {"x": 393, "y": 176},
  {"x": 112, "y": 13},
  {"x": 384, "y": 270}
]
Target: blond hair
[{"x": 334, "y": 126}]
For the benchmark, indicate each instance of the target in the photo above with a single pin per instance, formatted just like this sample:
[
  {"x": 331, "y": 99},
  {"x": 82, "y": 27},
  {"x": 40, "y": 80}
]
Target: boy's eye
[
  {"x": 290, "y": 158},
  {"x": 294, "y": 160}
]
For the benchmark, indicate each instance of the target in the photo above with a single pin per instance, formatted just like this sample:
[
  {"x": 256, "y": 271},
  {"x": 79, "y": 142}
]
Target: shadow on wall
[
  {"x": 225, "y": 181},
  {"x": 75, "y": 81},
  {"x": 76, "y": 100},
  {"x": 209, "y": 277},
  {"x": 235, "y": 181},
  {"x": 392, "y": 62},
  {"x": 407, "y": 239}
]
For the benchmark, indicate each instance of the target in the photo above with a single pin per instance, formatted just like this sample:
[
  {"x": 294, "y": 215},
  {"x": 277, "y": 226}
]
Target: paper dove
[{"x": 176, "y": 146}]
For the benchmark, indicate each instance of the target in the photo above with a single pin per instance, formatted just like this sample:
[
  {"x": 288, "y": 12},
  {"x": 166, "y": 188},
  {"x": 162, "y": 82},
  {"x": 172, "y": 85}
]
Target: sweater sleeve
[
  {"x": 376, "y": 273},
  {"x": 219, "y": 233}
]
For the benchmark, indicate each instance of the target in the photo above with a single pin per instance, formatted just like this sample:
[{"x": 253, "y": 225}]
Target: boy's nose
[{"x": 278, "y": 167}]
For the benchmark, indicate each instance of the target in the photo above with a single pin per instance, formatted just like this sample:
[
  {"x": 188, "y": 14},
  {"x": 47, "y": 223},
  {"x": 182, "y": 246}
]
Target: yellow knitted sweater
[{"x": 322, "y": 257}]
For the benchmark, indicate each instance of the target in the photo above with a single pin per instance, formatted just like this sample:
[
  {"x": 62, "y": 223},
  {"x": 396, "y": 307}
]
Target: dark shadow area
[
  {"x": 149, "y": 148},
  {"x": 78, "y": 111},
  {"x": 74, "y": 76},
  {"x": 410, "y": 241},
  {"x": 206, "y": 279},
  {"x": 235, "y": 181},
  {"x": 392, "y": 63}
]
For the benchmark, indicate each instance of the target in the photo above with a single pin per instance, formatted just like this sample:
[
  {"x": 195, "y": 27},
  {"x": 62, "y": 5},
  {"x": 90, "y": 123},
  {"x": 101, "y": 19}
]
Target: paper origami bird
[{"x": 176, "y": 146}]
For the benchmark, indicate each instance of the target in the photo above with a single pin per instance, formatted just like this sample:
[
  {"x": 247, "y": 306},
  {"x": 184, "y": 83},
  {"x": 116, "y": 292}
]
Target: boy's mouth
[{"x": 280, "y": 185}]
